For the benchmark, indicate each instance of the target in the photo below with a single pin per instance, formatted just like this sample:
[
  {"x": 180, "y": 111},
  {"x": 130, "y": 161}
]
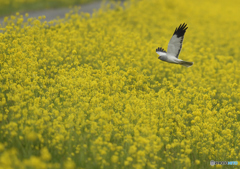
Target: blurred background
[{"x": 8, "y": 7}]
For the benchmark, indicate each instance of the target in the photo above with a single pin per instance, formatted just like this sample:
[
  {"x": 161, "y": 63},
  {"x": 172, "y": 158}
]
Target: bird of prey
[{"x": 174, "y": 48}]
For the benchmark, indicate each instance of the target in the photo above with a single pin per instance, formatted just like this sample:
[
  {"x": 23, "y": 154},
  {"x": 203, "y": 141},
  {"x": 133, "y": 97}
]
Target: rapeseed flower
[{"x": 89, "y": 92}]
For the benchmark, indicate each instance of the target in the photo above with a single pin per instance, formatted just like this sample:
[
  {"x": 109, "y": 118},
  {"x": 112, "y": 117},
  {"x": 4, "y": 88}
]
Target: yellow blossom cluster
[{"x": 89, "y": 91}]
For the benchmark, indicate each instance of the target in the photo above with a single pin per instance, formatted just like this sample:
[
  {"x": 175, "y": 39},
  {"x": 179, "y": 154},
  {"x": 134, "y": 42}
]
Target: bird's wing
[
  {"x": 175, "y": 43},
  {"x": 161, "y": 52}
]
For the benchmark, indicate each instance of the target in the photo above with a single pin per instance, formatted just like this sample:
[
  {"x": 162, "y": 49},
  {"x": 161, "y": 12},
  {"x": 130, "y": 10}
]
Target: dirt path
[{"x": 54, "y": 13}]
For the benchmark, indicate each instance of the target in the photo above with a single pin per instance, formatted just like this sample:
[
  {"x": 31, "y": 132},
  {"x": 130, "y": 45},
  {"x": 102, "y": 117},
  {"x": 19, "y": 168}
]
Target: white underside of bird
[
  {"x": 174, "y": 48},
  {"x": 173, "y": 59}
]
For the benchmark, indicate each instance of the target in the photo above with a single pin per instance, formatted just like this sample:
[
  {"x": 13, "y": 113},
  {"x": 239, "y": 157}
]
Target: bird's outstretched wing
[
  {"x": 175, "y": 43},
  {"x": 160, "y": 51}
]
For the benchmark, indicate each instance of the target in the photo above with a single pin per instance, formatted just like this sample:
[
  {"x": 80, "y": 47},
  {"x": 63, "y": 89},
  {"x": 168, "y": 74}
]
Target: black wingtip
[
  {"x": 180, "y": 31},
  {"x": 160, "y": 50}
]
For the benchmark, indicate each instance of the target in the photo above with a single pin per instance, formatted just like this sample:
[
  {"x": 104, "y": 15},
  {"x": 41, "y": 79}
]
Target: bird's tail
[{"x": 184, "y": 63}]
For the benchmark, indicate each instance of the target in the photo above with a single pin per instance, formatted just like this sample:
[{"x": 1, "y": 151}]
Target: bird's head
[{"x": 163, "y": 58}]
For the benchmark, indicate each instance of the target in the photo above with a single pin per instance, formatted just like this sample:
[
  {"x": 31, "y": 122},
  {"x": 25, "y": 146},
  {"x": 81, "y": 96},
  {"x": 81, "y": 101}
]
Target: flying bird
[{"x": 174, "y": 48}]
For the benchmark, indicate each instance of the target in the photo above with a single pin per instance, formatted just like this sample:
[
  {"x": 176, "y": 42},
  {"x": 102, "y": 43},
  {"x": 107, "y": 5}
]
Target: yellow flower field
[{"x": 90, "y": 92}]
